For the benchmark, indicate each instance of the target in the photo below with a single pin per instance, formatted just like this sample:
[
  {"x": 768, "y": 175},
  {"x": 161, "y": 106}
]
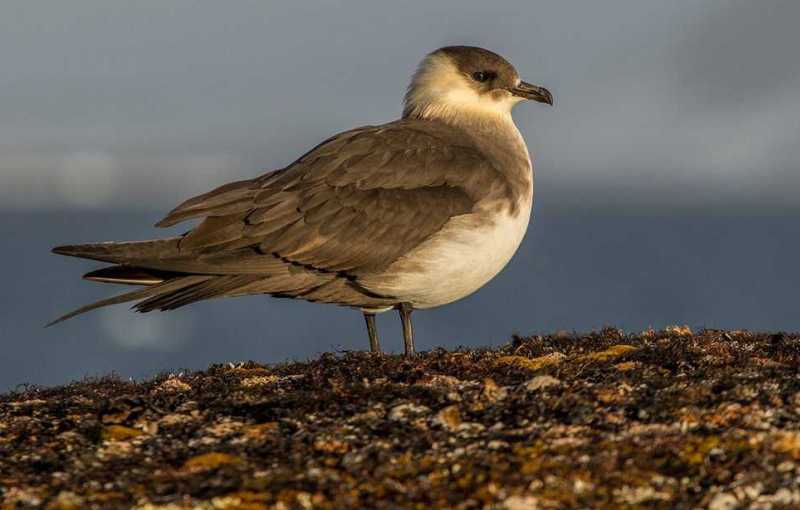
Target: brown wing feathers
[
  {"x": 226, "y": 199},
  {"x": 349, "y": 207},
  {"x": 121, "y": 252}
]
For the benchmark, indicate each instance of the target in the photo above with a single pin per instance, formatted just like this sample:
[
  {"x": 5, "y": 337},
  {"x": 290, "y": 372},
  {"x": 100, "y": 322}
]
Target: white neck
[{"x": 476, "y": 114}]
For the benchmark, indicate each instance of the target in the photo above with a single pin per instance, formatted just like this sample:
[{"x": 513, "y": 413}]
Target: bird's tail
[
  {"x": 129, "y": 275},
  {"x": 125, "y": 256},
  {"x": 151, "y": 292},
  {"x": 169, "y": 280},
  {"x": 136, "y": 262}
]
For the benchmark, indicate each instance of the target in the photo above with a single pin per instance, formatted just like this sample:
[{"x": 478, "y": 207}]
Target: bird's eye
[{"x": 482, "y": 76}]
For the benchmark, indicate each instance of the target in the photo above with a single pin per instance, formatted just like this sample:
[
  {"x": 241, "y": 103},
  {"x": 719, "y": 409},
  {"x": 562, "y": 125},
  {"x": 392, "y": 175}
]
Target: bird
[{"x": 408, "y": 215}]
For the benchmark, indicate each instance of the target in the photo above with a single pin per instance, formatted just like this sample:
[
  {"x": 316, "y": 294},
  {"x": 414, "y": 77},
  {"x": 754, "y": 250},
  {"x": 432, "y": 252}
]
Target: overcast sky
[{"x": 140, "y": 104}]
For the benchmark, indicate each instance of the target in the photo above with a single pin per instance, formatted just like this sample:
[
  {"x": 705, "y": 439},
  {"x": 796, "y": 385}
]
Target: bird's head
[{"x": 466, "y": 80}]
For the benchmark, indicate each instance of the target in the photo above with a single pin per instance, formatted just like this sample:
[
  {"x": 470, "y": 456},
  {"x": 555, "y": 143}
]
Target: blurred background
[{"x": 667, "y": 174}]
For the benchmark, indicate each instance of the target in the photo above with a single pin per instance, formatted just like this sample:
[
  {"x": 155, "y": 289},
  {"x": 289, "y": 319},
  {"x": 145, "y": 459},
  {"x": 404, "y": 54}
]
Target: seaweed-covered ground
[{"x": 664, "y": 419}]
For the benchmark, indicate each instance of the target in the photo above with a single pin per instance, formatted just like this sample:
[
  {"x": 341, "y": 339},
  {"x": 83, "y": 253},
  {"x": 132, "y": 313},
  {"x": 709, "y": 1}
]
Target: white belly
[{"x": 455, "y": 262}]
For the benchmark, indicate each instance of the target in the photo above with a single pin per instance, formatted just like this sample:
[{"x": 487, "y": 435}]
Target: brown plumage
[
  {"x": 354, "y": 204},
  {"x": 340, "y": 215}
]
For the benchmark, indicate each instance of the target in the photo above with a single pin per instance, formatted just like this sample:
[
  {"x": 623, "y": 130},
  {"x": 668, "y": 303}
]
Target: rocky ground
[{"x": 605, "y": 420}]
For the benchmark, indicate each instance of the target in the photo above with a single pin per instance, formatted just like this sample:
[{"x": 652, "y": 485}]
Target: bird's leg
[
  {"x": 372, "y": 329},
  {"x": 408, "y": 330}
]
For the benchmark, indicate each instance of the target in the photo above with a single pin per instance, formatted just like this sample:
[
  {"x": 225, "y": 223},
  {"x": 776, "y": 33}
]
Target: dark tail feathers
[
  {"x": 159, "y": 290},
  {"x": 130, "y": 275}
]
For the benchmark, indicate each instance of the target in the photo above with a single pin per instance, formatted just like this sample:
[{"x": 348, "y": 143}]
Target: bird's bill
[{"x": 527, "y": 90}]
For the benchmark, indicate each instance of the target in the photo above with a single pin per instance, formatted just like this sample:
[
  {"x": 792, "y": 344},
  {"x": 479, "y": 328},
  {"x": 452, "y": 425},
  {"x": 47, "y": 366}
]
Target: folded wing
[
  {"x": 349, "y": 207},
  {"x": 354, "y": 204}
]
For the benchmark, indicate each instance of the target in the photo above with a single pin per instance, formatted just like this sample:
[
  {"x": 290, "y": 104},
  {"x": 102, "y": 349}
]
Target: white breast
[
  {"x": 470, "y": 249},
  {"x": 457, "y": 261}
]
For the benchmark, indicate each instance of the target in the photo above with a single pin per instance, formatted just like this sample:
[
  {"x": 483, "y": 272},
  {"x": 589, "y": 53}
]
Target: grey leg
[
  {"x": 408, "y": 330},
  {"x": 372, "y": 329}
]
